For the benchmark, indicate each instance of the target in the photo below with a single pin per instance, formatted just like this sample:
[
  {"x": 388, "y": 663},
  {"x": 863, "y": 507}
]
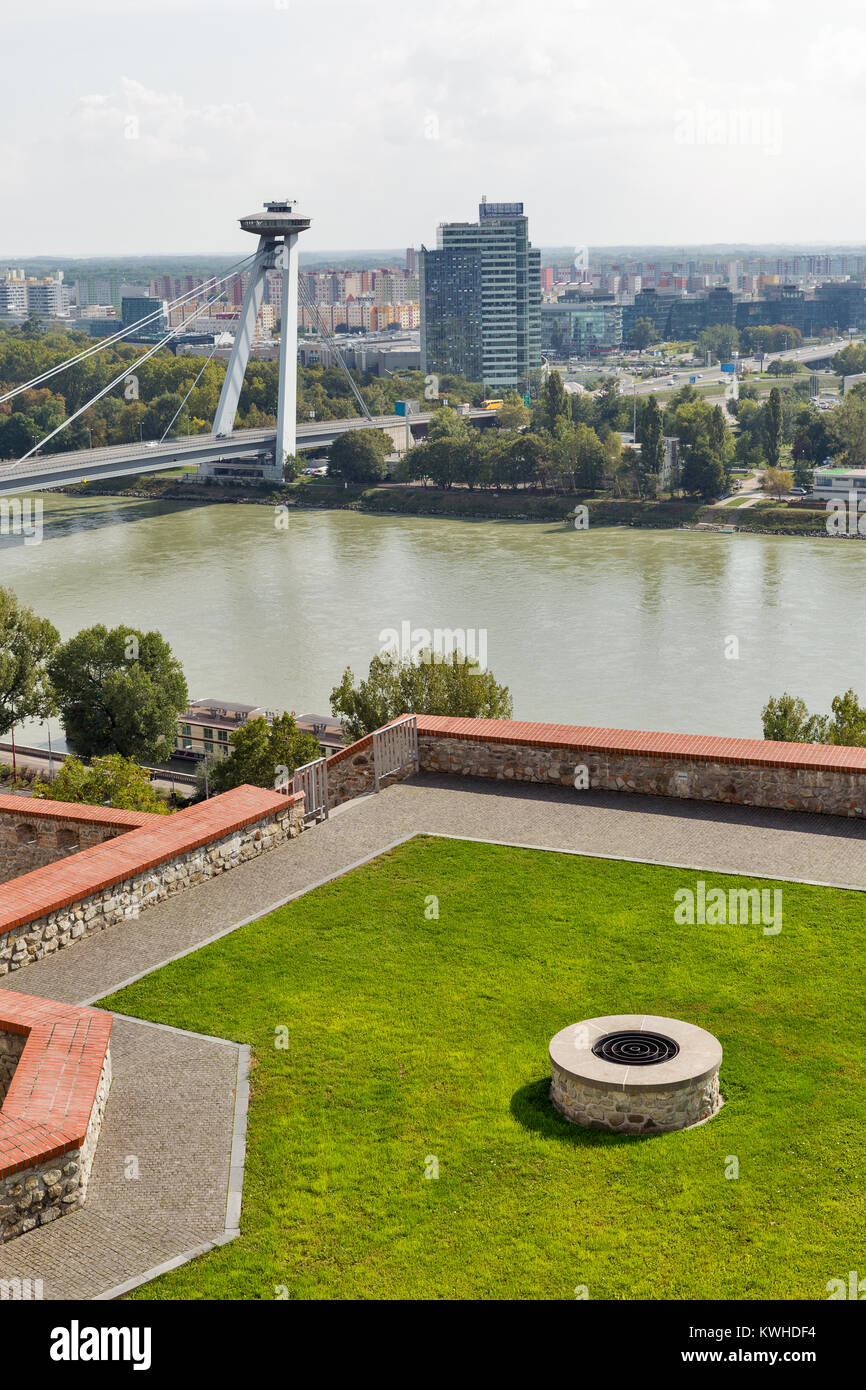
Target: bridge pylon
[{"x": 277, "y": 228}]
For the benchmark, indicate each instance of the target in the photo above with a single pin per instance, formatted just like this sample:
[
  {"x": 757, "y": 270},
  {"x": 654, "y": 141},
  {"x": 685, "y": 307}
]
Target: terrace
[{"x": 420, "y": 948}]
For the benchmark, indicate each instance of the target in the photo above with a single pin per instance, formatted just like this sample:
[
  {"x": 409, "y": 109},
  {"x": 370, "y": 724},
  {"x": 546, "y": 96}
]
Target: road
[
  {"x": 37, "y": 760},
  {"x": 121, "y": 460},
  {"x": 710, "y": 375}
]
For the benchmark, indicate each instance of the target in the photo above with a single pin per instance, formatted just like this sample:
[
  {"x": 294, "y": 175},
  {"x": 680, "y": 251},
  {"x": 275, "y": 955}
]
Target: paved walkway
[
  {"x": 172, "y": 1102},
  {"x": 169, "y": 1119},
  {"x": 729, "y": 839}
]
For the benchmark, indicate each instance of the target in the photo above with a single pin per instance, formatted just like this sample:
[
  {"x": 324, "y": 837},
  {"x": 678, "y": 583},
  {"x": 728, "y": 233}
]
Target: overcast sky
[{"x": 150, "y": 126}]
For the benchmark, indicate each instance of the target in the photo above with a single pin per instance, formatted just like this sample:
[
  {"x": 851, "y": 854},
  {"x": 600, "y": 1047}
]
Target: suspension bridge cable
[
  {"x": 122, "y": 375},
  {"x": 190, "y": 391},
  {"x": 314, "y": 309},
  {"x": 108, "y": 342}
]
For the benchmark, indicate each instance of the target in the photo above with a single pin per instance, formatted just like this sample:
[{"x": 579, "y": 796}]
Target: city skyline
[{"x": 667, "y": 133}]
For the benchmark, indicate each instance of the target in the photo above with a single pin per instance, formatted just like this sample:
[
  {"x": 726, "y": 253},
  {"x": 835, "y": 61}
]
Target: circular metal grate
[{"x": 633, "y": 1049}]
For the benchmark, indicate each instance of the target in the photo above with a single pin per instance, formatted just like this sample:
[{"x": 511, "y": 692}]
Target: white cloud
[{"x": 163, "y": 128}]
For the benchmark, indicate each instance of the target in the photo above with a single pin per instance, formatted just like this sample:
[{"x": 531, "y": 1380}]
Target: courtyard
[{"x": 401, "y": 1143}]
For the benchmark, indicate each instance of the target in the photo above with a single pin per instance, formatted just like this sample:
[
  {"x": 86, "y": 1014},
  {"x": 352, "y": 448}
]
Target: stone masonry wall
[
  {"x": 11, "y": 1047},
  {"x": 29, "y": 842},
  {"x": 642, "y": 1111},
  {"x": 42, "y": 937},
  {"x": 40, "y": 1194},
  {"x": 351, "y": 773},
  {"x": 831, "y": 791}
]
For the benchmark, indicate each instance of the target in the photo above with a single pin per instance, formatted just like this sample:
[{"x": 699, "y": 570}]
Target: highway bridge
[{"x": 124, "y": 460}]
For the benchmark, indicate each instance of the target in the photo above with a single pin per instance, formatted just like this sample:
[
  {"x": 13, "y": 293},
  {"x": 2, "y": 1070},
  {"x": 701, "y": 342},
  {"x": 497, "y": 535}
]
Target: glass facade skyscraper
[{"x": 481, "y": 299}]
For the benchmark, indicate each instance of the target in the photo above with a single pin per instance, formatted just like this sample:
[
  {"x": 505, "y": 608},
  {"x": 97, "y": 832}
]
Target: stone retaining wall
[
  {"x": 800, "y": 784},
  {"x": 351, "y": 773},
  {"x": 93, "y": 911},
  {"x": 42, "y": 1192},
  {"x": 34, "y": 833},
  {"x": 11, "y": 1047}
]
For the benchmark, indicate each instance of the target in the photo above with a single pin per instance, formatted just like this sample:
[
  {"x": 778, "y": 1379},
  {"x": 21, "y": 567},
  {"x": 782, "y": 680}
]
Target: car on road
[{"x": 799, "y": 492}]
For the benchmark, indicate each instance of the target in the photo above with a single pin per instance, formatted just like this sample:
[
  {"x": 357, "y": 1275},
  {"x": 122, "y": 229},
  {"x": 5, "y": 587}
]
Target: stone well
[{"x": 635, "y": 1073}]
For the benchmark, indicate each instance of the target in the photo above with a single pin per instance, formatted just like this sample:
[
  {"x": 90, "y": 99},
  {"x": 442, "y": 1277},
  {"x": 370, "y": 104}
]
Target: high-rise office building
[
  {"x": 136, "y": 309},
  {"x": 481, "y": 299}
]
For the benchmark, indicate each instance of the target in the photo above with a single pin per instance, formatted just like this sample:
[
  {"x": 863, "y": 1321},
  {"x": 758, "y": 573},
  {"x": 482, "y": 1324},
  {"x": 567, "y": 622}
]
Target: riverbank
[{"x": 476, "y": 505}]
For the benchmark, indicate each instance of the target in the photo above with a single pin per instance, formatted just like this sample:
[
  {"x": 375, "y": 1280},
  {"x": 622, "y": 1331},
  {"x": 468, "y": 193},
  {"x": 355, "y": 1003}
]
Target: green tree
[
  {"x": 802, "y": 475},
  {"x": 18, "y": 433},
  {"x": 608, "y": 404},
  {"x": 784, "y": 366},
  {"x": 119, "y": 691},
  {"x": 263, "y": 755},
  {"x": 786, "y": 719},
  {"x": 851, "y": 360},
  {"x": 452, "y": 685},
  {"x": 848, "y": 723},
  {"x": 27, "y": 644},
  {"x": 703, "y": 473},
  {"x": 446, "y": 424},
  {"x": 849, "y": 425},
  {"x": 358, "y": 456},
  {"x": 773, "y": 427},
  {"x": 166, "y": 413},
  {"x": 446, "y": 460},
  {"x": 512, "y": 415},
  {"x": 643, "y": 333},
  {"x": 650, "y": 436},
  {"x": 777, "y": 480},
  {"x": 590, "y": 458},
  {"x": 722, "y": 340},
  {"x": 113, "y": 780},
  {"x": 553, "y": 404}
]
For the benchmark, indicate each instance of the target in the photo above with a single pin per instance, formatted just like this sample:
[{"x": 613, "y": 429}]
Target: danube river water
[{"x": 669, "y": 630}]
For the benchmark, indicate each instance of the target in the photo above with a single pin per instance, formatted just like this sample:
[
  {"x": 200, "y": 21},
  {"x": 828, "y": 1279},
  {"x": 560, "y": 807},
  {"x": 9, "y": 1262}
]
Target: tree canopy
[
  {"x": 263, "y": 754},
  {"x": 114, "y": 780},
  {"x": 119, "y": 691},
  {"x": 786, "y": 717},
  {"x": 426, "y": 685},
  {"x": 27, "y": 644},
  {"x": 358, "y": 456}
]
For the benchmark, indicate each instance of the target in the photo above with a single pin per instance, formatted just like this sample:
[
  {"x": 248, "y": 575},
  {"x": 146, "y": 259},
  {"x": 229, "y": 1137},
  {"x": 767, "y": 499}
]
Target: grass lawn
[{"x": 411, "y": 1039}]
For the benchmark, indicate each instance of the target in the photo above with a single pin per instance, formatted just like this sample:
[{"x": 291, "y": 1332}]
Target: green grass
[
  {"x": 770, "y": 516},
  {"x": 411, "y": 1038}
]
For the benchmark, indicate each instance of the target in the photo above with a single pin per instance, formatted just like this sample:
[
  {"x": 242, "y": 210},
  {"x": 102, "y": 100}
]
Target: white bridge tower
[{"x": 277, "y": 228}]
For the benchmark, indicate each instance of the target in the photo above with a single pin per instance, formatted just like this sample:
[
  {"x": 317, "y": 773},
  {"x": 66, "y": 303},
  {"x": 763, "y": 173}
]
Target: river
[{"x": 611, "y": 626}]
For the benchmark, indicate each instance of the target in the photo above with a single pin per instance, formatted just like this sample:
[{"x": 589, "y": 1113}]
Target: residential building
[
  {"x": 481, "y": 299},
  {"x": 46, "y": 298},
  {"x": 13, "y": 295},
  {"x": 91, "y": 290},
  {"x": 395, "y": 287},
  {"x": 359, "y": 313},
  {"x": 205, "y": 728}
]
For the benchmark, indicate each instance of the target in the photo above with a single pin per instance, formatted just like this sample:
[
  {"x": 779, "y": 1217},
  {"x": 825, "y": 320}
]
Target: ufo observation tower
[{"x": 277, "y": 229}]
